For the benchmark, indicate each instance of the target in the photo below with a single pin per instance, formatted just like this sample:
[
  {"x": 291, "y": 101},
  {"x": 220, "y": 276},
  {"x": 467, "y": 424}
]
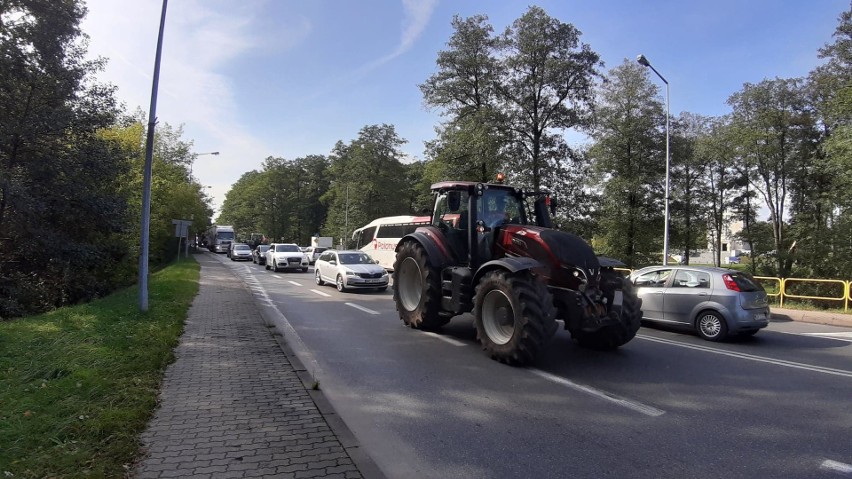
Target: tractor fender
[
  {"x": 610, "y": 262},
  {"x": 512, "y": 264},
  {"x": 436, "y": 252}
]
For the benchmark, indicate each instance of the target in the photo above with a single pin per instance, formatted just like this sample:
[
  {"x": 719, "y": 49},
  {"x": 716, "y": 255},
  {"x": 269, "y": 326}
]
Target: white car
[
  {"x": 286, "y": 256},
  {"x": 350, "y": 269}
]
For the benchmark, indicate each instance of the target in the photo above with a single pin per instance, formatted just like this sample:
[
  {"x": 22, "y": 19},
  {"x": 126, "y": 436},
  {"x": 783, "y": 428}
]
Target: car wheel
[
  {"x": 318, "y": 278},
  {"x": 340, "y": 286},
  {"x": 711, "y": 326},
  {"x": 267, "y": 266}
]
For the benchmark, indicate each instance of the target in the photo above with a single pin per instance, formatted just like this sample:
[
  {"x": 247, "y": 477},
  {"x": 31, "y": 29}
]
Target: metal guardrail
[{"x": 786, "y": 289}]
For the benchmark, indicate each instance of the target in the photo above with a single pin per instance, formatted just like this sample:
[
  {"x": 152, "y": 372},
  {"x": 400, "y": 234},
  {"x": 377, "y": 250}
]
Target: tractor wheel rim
[
  {"x": 410, "y": 285},
  {"x": 710, "y": 325},
  {"x": 498, "y": 317}
]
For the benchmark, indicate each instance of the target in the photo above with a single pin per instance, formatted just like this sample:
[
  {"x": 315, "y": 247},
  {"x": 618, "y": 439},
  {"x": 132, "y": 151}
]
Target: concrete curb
[{"x": 816, "y": 317}]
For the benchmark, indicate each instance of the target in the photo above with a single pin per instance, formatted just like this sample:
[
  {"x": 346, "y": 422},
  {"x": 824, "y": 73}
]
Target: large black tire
[
  {"x": 613, "y": 336},
  {"x": 417, "y": 288},
  {"x": 514, "y": 316}
]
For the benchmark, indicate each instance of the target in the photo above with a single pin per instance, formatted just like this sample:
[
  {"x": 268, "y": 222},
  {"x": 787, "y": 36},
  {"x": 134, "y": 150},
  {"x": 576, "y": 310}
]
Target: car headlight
[{"x": 350, "y": 273}]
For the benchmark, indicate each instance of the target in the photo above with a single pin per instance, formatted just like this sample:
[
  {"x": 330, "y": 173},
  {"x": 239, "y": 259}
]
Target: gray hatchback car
[{"x": 715, "y": 302}]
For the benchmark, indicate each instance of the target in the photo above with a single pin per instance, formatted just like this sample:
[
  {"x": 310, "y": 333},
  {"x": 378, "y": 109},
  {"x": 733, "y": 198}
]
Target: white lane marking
[
  {"x": 750, "y": 357},
  {"x": 636, "y": 406},
  {"x": 321, "y": 293},
  {"x": 844, "y": 336},
  {"x": 836, "y": 466},
  {"x": 276, "y": 276},
  {"x": 444, "y": 338},
  {"x": 295, "y": 283},
  {"x": 366, "y": 310}
]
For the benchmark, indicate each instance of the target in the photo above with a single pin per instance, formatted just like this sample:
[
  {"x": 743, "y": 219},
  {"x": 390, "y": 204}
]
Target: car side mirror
[{"x": 333, "y": 263}]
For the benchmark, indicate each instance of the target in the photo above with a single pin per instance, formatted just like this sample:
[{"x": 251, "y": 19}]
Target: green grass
[{"x": 79, "y": 384}]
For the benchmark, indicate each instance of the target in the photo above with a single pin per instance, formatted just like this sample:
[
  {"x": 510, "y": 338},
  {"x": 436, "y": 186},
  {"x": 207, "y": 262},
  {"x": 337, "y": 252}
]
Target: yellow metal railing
[{"x": 784, "y": 289}]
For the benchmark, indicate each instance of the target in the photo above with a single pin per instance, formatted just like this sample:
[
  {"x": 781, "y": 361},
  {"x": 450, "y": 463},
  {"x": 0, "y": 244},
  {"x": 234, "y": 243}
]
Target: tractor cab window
[
  {"x": 451, "y": 211},
  {"x": 497, "y": 207}
]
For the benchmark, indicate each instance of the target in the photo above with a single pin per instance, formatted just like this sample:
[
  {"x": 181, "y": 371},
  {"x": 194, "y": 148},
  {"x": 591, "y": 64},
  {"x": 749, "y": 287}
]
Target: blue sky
[{"x": 289, "y": 78}]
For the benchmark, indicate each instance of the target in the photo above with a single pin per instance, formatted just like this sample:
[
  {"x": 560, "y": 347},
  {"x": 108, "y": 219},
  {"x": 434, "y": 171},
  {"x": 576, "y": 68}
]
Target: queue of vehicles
[{"x": 481, "y": 252}]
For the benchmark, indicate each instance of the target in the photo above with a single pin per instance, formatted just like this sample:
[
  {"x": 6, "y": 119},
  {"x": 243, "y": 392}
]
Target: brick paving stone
[{"x": 232, "y": 405}]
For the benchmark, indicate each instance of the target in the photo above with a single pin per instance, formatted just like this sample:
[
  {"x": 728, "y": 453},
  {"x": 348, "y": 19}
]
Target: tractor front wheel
[
  {"x": 417, "y": 288},
  {"x": 514, "y": 316}
]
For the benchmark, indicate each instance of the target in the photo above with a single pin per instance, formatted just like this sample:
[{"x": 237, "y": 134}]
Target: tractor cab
[{"x": 470, "y": 214}]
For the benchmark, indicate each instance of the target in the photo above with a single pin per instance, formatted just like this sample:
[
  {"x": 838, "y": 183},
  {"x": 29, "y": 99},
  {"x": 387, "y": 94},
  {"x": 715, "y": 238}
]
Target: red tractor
[{"x": 485, "y": 252}]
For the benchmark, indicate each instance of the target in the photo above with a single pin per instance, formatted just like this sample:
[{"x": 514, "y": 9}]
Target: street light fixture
[
  {"x": 196, "y": 155},
  {"x": 644, "y": 62}
]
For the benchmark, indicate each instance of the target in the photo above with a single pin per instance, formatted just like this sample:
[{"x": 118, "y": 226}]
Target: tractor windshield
[{"x": 497, "y": 207}]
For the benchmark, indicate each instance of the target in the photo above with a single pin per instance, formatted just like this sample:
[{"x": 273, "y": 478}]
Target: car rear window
[{"x": 746, "y": 282}]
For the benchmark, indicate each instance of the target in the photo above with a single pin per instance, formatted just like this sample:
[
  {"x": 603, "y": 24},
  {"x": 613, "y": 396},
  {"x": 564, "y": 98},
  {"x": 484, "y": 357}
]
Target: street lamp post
[
  {"x": 192, "y": 161},
  {"x": 644, "y": 62},
  {"x": 146, "y": 177}
]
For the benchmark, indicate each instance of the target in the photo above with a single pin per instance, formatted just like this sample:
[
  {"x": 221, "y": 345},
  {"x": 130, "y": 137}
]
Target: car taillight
[{"x": 730, "y": 283}]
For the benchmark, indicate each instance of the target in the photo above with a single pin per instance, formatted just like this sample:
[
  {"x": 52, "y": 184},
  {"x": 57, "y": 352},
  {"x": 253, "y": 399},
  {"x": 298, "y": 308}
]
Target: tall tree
[
  {"x": 60, "y": 211},
  {"x": 689, "y": 193},
  {"x": 545, "y": 87},
  {"x": 366, "y": 178},
  {"x": 630, "y": 162},
  {"x": 463, "y": 89},
  {"x": 773, "y": 129}
]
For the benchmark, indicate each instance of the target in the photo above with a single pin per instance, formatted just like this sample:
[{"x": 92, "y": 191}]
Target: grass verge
[{"x": 79, "y": 384}]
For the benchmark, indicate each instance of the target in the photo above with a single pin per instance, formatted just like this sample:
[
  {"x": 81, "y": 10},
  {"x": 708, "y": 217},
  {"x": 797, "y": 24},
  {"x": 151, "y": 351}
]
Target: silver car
[
  {"x": 715, "y": 302},
  {"x": 239, "y": 252},
  {"x": 350, "y": 269}
]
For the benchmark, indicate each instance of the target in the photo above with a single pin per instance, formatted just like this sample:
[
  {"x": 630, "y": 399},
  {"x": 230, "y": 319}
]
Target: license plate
[
  {"x": 292, "y": 260},
  {"x": 373, "y": 280},
  {"x": 760, "y": 316}
]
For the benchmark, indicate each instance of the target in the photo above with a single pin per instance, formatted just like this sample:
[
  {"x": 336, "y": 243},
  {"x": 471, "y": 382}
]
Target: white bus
[{"x": 380, "y": 237}]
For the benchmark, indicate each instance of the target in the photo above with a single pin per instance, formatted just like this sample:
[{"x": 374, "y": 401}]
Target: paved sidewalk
[{"x": 233, "y": 405}]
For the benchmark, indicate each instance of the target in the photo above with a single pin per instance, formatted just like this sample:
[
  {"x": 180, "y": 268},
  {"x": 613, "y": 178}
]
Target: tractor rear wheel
[
  {"x": 514, "y": 316},
  {"x": 629, "y": 319},
  {"x": 417, "y": 288}
]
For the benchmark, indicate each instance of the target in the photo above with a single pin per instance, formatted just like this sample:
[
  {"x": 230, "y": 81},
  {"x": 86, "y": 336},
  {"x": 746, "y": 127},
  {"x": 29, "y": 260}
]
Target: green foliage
[
  {"x": 61, "y": 214},
  {"x": 368, "y": 181},
  {"x": 630, "y": 165},
  {"x": 509, "y": 99},
  {"x": 80, "y": 383}
]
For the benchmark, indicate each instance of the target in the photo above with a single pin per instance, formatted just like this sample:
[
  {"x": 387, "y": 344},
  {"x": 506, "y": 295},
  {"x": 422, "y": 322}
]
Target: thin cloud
[{"x": 417, "y": 16}]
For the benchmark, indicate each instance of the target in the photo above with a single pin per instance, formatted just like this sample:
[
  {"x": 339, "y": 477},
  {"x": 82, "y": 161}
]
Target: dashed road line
[
  {"x": 845, "y": 469},
  {"x": 751, "y": 357},
  {"x": 295, "y": 283},
  {"x": 444, "y": 338},
  {"x": 634, "y": 405},
  {"x": 366, "y": 310},
  {"x": 320, "y": 293},
  {"x": 276, "y": 276}
]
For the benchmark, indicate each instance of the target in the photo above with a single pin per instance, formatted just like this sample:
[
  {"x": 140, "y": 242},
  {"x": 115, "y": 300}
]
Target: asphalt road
[{"x": 667, "y": 404}]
